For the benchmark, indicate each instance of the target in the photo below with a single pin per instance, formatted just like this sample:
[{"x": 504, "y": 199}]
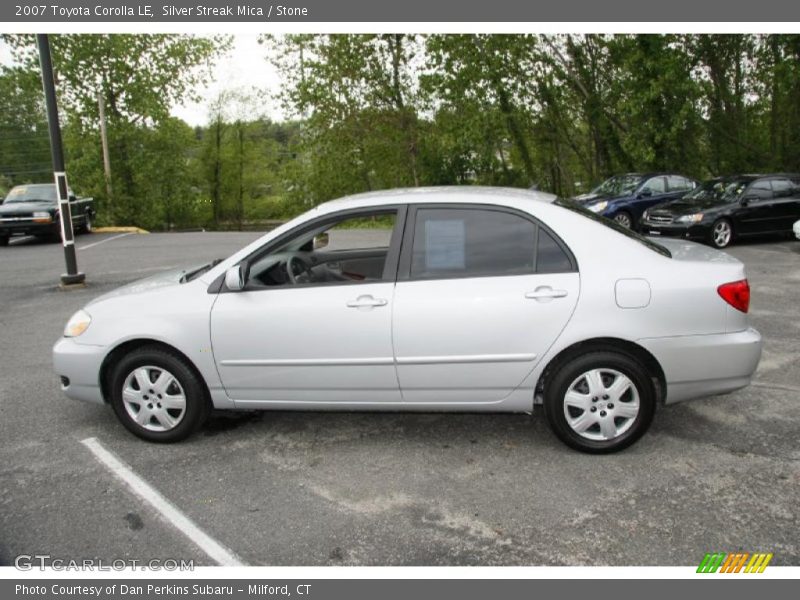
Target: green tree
[{"x": 140, "y": 77}]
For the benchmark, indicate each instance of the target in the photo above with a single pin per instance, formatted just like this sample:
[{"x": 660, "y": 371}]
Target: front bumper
[
  {"x": 696, "y": 366},
  {"x": 10, "y": 226},
  {"x": 696, "y": 232},
  {"x": 78, "y": 365}
]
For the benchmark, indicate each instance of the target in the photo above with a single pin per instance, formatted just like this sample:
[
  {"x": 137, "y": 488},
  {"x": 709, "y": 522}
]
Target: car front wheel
[
  {"x": 721, "y": 233},
  {"x": 624, "y": 219},
  {"x": 157, "y": 395},
  {"x": 600, "y": 402}
]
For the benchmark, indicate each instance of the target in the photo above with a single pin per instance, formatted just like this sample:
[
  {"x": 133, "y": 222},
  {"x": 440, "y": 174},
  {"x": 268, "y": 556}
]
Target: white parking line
[
  {"x": 113, "y": 237},
  {"x": 169, "y": 511}
]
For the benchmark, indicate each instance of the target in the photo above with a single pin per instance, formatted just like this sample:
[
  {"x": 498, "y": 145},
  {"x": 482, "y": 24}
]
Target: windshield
[
  {"x": 718, "y": 189},
  {"x": 619, "y": 185},
  {"x": 32, "y": 193},
  {"x": 578, "y": 208}
]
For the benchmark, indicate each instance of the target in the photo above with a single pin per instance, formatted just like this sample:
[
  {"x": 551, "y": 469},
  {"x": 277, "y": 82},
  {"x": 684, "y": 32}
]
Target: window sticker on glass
[{"x": 445, "y": 244}]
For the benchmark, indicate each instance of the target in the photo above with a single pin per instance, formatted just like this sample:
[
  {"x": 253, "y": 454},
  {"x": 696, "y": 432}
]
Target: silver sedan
[{"x": 443, "y": 299}]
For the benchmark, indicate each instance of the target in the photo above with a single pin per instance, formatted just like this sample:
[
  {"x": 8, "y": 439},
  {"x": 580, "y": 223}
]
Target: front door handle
[
  {"x": 545, "y": 292},
  {"x": 367, "y": 302}
]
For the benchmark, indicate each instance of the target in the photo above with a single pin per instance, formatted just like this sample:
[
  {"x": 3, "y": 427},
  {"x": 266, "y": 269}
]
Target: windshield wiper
[{"x": 191, "y": 275}]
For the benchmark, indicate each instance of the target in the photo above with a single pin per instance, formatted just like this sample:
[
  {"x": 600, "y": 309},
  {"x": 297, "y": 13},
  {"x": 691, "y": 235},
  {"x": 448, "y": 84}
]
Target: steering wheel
[{"x": 296, "y": 266}]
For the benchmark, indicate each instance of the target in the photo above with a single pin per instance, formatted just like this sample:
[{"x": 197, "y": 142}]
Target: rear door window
[{"x": 458, "y": 242}]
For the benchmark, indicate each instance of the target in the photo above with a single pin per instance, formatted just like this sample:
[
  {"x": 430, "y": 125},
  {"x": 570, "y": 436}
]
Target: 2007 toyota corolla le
[{"x": 442, "y": 299}]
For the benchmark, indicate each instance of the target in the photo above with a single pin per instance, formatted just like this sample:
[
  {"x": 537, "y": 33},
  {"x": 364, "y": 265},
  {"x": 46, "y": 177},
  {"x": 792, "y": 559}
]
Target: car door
[
  {"x": 482, "y": 293},
  {"x": 785, "y": 204},
  {"x": 313, "y": 342},
  {"x": 756, "y": 208},
  {"x": 654, "y": 191}
]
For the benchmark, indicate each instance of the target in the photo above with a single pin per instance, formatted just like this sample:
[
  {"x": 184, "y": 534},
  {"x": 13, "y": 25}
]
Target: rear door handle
[
  {"x": 367, "y": 302},
  {"x": 545, "y": 292}
]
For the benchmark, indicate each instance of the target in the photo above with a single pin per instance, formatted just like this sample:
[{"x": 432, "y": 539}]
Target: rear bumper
[
  {"x": 696, "y": 366},
  {"x": 78, "y": 365}
]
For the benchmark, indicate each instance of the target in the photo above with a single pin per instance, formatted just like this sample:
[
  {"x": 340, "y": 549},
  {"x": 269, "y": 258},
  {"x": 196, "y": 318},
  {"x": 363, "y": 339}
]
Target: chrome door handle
[
  {"x": 367, "y": 302},
  {"x": 545, "y": 292}
]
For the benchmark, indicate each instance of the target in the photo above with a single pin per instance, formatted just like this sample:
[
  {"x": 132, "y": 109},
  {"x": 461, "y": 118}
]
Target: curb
[{"x": 119, "y": 230}]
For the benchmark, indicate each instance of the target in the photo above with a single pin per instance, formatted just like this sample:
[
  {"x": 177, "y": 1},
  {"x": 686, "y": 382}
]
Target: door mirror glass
[
  {"x": 233, "y": 278},
  {"x": 745, "y": 200},
  {"x": 320, "y": 241}
]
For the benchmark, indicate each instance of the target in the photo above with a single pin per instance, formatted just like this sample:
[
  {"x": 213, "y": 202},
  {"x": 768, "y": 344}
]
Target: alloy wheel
[
  {"x": 624, "y": 220},
  {"x": 722, "y": 234}
]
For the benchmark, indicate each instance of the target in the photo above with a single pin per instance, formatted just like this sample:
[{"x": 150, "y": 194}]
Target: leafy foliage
[{"x": 370, "y": 112}]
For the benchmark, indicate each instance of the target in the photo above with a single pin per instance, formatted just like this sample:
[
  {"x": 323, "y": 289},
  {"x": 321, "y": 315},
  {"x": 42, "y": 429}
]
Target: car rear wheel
[
  {"x": 157, "y": 396},
  {"x": 721, "y": 233},
  {"x": 624, "y": 219},
  {"x": 88, "y": 226},
  {"x": 4, "y": 240},
  {"x": 600, "y": 402}
]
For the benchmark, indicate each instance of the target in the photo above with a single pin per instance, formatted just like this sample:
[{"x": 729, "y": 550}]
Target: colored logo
[{"x": 737, "y": 562}]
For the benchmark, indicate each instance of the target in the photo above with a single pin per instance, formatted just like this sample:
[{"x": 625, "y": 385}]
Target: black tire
[
  {"x": 718, "y": 241},
  {"x": 4, "y": 240},
  {"x": 197, "y": 402},
  {"x": 565, "y": 376}
]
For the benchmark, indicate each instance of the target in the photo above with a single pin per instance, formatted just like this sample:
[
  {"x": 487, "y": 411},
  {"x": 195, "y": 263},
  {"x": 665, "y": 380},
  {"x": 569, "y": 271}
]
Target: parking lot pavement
[{"x": 283, "y": 488}]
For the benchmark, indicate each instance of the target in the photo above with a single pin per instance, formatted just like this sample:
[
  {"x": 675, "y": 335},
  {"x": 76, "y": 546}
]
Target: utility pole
[
  {"x": 72, "y": 276},
  {"x": 104, "y": 142}
]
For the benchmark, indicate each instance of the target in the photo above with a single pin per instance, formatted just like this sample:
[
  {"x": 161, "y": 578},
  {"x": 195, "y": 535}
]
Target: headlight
[
  {"x": 77, "y": 324},
  {"x": 695, "y": 218},
  {"x": 599, "y": 207},
  {"x": 645, "y": 215},
  {"x": 42, "y": 217}
]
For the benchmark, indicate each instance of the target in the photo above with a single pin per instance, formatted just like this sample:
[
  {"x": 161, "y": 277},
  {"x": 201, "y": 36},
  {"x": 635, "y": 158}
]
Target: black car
[
  {"x": 726, "y": 208},
  {"x": 33, "y": 210}
]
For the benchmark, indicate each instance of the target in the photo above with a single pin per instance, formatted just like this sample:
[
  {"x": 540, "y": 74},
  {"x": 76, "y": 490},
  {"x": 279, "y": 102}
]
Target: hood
[
  {"x": 16, "y": 208},
  {"x": 146, "y": 285},
  {"x": 688, "y": 207}
]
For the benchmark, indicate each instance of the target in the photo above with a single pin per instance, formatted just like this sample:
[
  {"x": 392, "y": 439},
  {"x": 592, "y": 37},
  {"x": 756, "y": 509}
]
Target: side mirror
[
  {"x": 320, "y": 241},
  {"x": 646, "y": 193},
  {"x": 234, "y": 280},
  {"x": 745, "y": 200}
]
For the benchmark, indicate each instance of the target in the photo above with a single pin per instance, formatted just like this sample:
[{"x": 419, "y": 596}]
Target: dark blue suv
[{"x": 625, "y": 197}]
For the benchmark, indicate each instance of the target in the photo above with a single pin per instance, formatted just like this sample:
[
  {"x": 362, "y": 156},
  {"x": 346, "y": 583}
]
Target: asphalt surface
[{"x": 281, "y": 488}]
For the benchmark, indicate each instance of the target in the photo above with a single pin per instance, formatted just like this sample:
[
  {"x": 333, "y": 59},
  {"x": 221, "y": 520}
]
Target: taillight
[{"x": 737, "y": 294}]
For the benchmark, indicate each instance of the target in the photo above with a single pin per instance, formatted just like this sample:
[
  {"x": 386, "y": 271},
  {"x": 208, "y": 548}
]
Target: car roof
[
  {"x": 753, "y": 176},
  {"x": 442, "y": 194},
  {"x": 651, "y": 174}
]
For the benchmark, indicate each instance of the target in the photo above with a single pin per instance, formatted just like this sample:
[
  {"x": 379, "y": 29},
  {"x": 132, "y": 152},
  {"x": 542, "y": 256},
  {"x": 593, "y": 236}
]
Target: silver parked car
[{"x": 441, "y": 299}]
